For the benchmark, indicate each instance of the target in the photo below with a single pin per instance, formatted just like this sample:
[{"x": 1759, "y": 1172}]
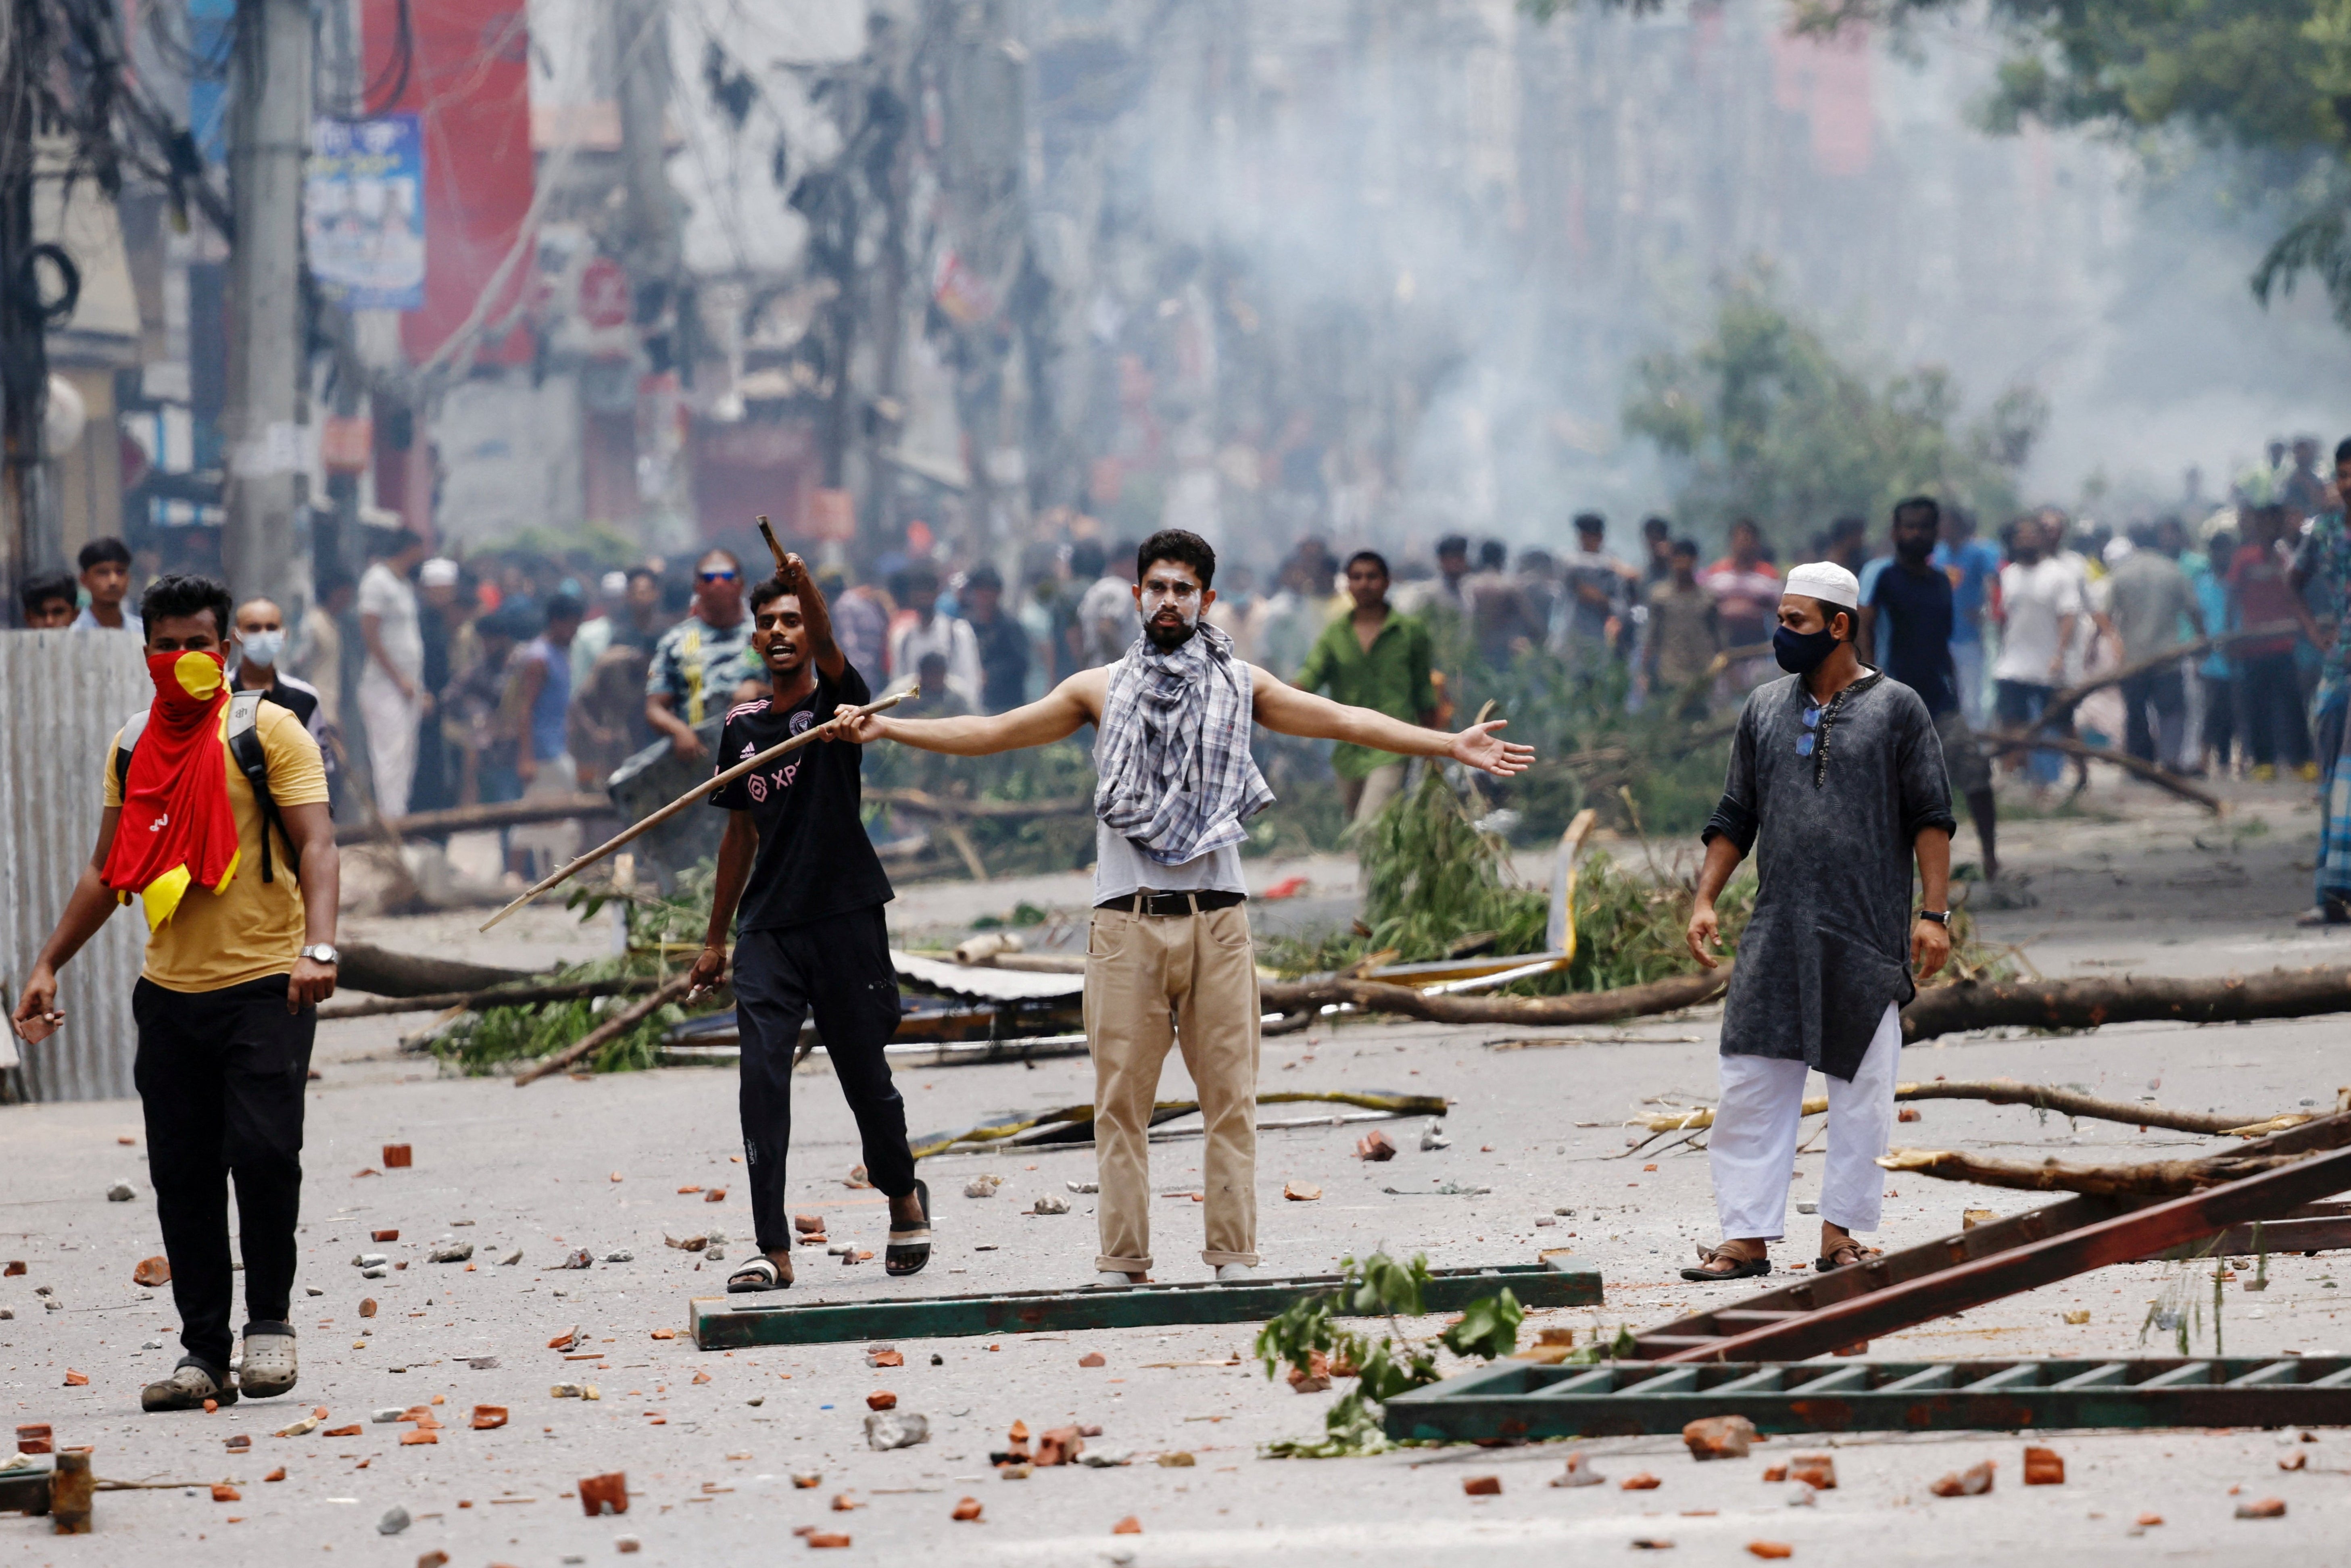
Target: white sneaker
[
  {"x": 1111, "y": 1278},
  {"x": 1233, "y": 1270}
]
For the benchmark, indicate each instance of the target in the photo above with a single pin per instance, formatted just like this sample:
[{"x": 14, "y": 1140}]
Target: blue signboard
[{"x": 363, "y": 212}]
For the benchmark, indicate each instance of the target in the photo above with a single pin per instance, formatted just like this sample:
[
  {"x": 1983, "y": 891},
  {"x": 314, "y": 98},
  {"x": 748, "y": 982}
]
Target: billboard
[{"x": 363, "y": 212}]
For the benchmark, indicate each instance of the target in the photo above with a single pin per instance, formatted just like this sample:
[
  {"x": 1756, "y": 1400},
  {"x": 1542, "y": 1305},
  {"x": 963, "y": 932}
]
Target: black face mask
[
  {"x": 1800, "y": 652},
  {"x": 1914, "y": 549}
]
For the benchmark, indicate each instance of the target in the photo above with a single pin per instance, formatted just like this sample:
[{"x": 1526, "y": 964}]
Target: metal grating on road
[
  {"x": 1517, "y": 1399},
  {"x": 722, "y": 1323},
  {"x": 69, "y": 692}
]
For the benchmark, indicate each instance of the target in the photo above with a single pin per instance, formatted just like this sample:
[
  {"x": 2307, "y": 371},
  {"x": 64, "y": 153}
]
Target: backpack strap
[
  {"x": 133, "y": 728},
  {"x": 246, "y": 750}
]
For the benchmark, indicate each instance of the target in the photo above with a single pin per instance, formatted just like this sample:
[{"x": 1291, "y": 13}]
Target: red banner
[{"x": 465, "y": 69}]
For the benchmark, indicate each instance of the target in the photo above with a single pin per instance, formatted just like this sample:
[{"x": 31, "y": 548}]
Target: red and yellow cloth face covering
[{"x": 177, "y": 828}]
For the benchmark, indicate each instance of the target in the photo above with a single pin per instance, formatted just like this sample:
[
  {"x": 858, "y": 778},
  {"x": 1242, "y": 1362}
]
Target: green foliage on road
[
  {"x": 1381, "y": 1365},
  {"x": 1769, "y": 421}
]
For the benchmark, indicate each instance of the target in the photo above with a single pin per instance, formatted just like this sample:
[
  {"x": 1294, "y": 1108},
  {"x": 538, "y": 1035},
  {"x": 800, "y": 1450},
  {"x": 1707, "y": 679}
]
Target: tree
[
  {"x": 1771, "y": 424},
  {"x": 2268, "y": 80}
]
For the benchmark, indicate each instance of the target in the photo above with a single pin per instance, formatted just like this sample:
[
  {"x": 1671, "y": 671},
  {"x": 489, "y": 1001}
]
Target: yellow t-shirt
[{"x": 254, "y": 927}]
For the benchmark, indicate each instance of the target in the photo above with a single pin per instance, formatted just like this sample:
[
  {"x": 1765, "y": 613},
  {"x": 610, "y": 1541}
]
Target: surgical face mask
[
  {"x": 263, "y": 648},
  {"x": 1800, "y": 652}
]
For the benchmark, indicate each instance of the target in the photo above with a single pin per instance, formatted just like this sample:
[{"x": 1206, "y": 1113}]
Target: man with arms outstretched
[
  {"x": 1169, "y": 956},
  {"x": 796, "y": 859}
]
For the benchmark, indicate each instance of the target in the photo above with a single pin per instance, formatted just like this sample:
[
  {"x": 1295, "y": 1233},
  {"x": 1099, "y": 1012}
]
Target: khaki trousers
[{"x": 1153, "y": 981}]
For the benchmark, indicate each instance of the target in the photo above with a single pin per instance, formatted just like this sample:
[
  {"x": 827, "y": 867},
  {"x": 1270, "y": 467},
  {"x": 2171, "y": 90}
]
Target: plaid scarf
[{"x": 1172, "y": 751}]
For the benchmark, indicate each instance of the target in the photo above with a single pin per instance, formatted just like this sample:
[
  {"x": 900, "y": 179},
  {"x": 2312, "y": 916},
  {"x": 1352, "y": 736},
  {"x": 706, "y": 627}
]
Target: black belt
[{"x": 1172, "y": 902}]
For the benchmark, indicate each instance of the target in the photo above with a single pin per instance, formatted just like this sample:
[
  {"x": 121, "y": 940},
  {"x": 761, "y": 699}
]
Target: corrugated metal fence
[{"x": 65, "y": 694}]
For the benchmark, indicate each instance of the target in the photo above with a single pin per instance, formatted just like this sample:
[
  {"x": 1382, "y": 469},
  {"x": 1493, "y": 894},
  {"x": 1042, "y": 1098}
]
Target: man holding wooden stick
[
  {"x": 1170, "y": 956},
  {"x": 796, "y": 859}
]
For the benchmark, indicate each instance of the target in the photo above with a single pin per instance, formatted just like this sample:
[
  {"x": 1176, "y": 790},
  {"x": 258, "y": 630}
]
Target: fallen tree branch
[
  {"x": 1668, "y": 995},
  {"x": 2060, "y": 707},
  {"x": 502, "y": 997},
  {"x": 2088, "y": 1003},
  {"x": 2003, "y": 741},
  {"x": 672, "y": 989},
  {"x": 2150, "y": 1179},
  {"x": 2042, "y": 1096},
  {"x": 1167, "y": 1109},
  {"x": 474, "y": 819},
  {"x": 384, "y": 973},
  {"x": 922, "y": 801}
]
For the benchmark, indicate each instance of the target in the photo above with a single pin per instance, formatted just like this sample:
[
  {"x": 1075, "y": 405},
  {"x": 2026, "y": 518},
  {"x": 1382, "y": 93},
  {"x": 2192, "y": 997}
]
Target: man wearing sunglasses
[
  {"x": 1836, "y": 784},
  {"x": 704, "y": 665}
]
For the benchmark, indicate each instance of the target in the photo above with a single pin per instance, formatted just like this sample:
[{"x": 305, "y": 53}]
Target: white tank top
[{"x": 1121, "y": 869}]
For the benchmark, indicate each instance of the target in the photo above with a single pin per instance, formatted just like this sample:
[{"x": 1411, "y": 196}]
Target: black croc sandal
[
  {"x": 1748, "y": 1268},
  {"x": 758, "y": 1274},
  {"x": 909, "y": 1251}
]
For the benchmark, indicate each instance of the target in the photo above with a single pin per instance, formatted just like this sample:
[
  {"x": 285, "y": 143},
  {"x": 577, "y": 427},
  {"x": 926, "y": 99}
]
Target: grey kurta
[{"x": 1829, "y": 944}]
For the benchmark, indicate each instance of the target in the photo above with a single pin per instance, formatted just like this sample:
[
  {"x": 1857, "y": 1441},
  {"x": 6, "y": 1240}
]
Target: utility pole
[
  {"x": 270, "y": 137},
  {"x": 26, "y": 509},
  {"x": 652, "y": 250}
]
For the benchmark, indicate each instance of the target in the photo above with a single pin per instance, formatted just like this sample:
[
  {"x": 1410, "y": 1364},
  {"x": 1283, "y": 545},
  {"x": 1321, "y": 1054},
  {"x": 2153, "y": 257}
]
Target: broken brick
[
  {"x": 1060, "y": 1446},
  {"x": 1770, "y": 1549},
  {"x": 604, "y": 1494},
  {"x": 383, "y": 1235},
  {"x": 76, "y": 1379},
  {"x": 1907, "y": 1114},
  {"x": 808, "y": 1224},
  {"x": 1301, "y": 1192},
  {"x": 1020, "y": 1433},
  {"x": 2291, "y": 1462},
  {"x": 715, "y": 1194},
  {"x": 1129, "y": 1525},
  {"x": 2044, "y": 1467},
  {"x": 367, "y": 1307},
  {"x": 2148, "y": 1521},
  {"x": 34, "y": 1438},
  {"x": 1651, "y": 1543},
  {"x": 350, "y": 1431},
  {"x": 436, "y": 1558},
  {"x": 806, "y": 1480},
  {"x": 239, "y": 1444},
  {"x": 224, "y": 1492},
  {"x": 1375, "y": 1145},
  {"x": 1645, "y": 1482},
  {"x": 1973, "y": 1481},
  {"x": 16, "y": 1267},
  {"x": 1776, "y": 1472},
  {"x": 1817, "y": 1471},
  {"x": 664, "y": 1333},
  {"x": 1092, "y": 1358},
  {"x": 2267, "y": 1508},
  {"x": 881, "y": 1400},
  {"x": 685, "y": 1190},
  {"x": 1315, "y": 1377},
  {"x": 1481, "y": 1485},
  {"x": 489, "y": 1418},
  {"x": 1720, "y": 1438},
  {"x": 276, "y": 1475},
  {"x": 397, "y": 1157},
  {"x": 842, "y": 1502},
  {"x": 886, "y": 1358},
  {"x": 700, "y": 1378},
  {"x": 422, "y": 1435},
  {"x": 151, "y": 1272},
  {"x": 565, "y": 1339},
  {"x": 966, "y": 1510}
]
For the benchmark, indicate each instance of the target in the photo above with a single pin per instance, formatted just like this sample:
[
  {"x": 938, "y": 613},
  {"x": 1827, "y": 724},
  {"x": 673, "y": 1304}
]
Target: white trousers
[
  {"x": 391, "y": 719},
  {"x": 1751, "y": 1149}
]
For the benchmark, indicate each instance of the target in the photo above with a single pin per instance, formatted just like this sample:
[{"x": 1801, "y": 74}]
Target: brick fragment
[
  {"x": 808, "y": 1224},
  {"x": 881, "y": 1400},
  {"x": 151, "y": 1272},
  {"x": 383, "y": 1235},
  {"x": 398, "y": 1157},
  {"x": 1720, "y": 1438},
  {"x": 489, "y": 1418},
  {"x": 1776, "y": 1472},
  {"x": 1770, "y": 1549},
  {"x": 1481, "y": 1485},
  {"x": 367, "y": 1307},
  {"x": 276, "y": 1475},
  {"x": 224, "y": 1492},
  {"x": 966, "y": 1511},
  {"x": 1129, "y": 1525},
  {"x": 824, "y": 1539},
  {"x": 604, "y": 1494},
  {"x": 1301, "y": 1192},
  {"x": 1314, "y": 1377},
  {"x": 350, "y": 1431},
  {"x": 1973, "y": 1481},
  {"x": 2267, "y": 1508},
  {"x": 1645, "y": 1482},
  {"x": 1373, "y": 1145},
  {"x": 1060, "y": 1446},
  {"x": 2044, "y": 1467},
  {"x": 1092, "y": 1358},
  {"x": 1817, "y": 1471}
]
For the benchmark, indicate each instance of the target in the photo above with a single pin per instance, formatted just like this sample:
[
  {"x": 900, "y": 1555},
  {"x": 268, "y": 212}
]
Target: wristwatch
[
  {"x": 322, "y": 953},
  {"x": 1939, "y": 916}
]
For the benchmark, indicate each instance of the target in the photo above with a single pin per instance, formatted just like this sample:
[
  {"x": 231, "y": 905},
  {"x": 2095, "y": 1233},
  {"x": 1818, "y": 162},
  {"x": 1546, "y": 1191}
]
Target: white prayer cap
[
  {"x": 614, "y": 585},
  {"x": 438, "y": 572},
  {"x": 1826, "y": 581}
]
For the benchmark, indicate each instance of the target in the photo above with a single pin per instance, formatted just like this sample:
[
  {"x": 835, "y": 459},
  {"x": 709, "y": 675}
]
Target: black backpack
[{"x": 245, "y": 750}]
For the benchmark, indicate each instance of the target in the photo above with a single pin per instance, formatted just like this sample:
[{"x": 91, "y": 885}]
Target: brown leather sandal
[
  {"x": 1743, "y": 1268},
  {"x": 1838, "y": 1256}
]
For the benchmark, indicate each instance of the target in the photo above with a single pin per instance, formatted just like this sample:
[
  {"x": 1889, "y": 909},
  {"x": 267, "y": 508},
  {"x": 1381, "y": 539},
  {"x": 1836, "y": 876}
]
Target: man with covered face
[
  {"x": 1169, "y": 958},
  {"x": 1836, "y": 784}
]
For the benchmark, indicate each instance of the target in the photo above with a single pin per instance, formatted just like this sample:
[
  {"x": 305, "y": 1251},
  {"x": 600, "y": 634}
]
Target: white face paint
[{"x": 1161, "y": 593}]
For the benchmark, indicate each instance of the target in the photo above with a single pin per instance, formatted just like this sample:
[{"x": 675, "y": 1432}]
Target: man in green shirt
[{"x": 1376, "y": 658}]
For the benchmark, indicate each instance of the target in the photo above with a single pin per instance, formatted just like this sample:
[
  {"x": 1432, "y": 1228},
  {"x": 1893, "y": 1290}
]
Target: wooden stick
[
  {"x": 774, "y": 549},
  {"x": 672, "y": 989},
  {"x": 2042, "y": 1096},
  {"x": 2151, "y": 1178},
  {"x": 2010, "y": 740},
  {"x": 2061, "y": 706},
  {"x": 708, "y": 786},
  {"x": 509, "y": 997},
  {"x": 1668, "y": 995}
]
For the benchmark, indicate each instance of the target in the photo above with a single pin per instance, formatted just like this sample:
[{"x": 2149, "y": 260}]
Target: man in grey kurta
[{"x": 1836, "y": 784}]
